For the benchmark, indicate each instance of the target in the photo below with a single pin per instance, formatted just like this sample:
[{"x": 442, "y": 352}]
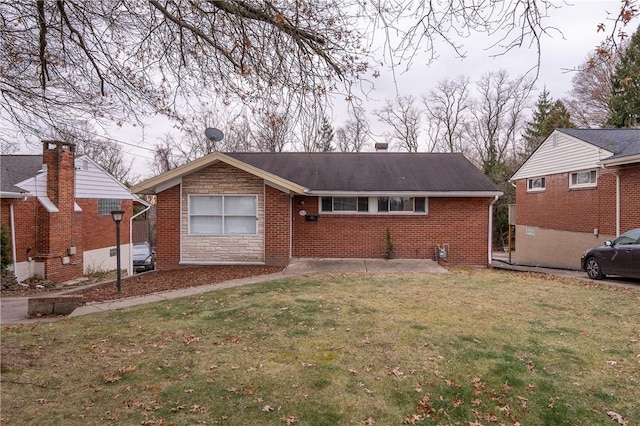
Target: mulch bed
[{"x": 156, "y": 281}]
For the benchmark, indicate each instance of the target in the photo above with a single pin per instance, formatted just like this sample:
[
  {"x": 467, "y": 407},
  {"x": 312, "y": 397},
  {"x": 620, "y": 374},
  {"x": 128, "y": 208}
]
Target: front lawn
[{"x": 473, "y": 347}]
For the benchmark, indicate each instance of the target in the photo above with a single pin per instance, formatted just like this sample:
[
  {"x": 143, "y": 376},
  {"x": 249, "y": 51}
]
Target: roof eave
[
  {"x": 442, "y": 194},
  {"x": 150, "y": 185},
  {"x": 630, "y": 159}
]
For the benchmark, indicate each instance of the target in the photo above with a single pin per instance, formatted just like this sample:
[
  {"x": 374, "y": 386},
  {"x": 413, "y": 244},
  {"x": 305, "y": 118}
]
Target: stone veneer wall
[{"x": 221, "y": 179}]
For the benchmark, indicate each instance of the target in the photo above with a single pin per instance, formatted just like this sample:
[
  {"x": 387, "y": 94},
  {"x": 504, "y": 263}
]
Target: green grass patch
[{"x": 471, "y": 346}]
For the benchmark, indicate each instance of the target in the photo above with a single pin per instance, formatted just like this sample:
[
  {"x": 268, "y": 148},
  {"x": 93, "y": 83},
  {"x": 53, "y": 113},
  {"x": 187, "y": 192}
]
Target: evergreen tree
[
  {"x": 326, "y": 136},
  {"x": 557, "y": 118},
  {"x": 624, "y": 105},
  {"x": 533, "y": 134},
  {"x": 5, "y": 248}
]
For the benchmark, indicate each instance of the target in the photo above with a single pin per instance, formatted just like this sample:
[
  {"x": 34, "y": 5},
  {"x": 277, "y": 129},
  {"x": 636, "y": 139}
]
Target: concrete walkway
[{"x": 14, "y": 309}]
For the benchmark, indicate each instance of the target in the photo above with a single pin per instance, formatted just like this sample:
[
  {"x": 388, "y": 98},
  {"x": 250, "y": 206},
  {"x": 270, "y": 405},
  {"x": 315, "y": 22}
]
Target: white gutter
[
  {"x": 617, "y": 204},
  {"x": 465, "y": 194},
  {"x": 290, "y": 228},
  {"x": 130, "y": 266},
  {"x": 620, "y": 160},
  {"x": 491, "y": 229},
  {"x": 13, "y": 234}
]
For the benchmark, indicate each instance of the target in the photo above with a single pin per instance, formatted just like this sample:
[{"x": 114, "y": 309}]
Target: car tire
[{"x": 593, "y": 268}]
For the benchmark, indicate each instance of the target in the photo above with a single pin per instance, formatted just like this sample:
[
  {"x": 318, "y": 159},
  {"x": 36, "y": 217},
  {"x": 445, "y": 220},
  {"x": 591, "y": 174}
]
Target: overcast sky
[{"x": 577, "y": 19}]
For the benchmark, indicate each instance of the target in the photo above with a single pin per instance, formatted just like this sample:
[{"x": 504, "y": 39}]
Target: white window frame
[
  {"x": 373, "y": 206},
  {"x": 333, "y": 209},
  {"x": 593, "y": 173},
  {"x": 222, "y": 215},
  {"x": 542, "y": 179}
]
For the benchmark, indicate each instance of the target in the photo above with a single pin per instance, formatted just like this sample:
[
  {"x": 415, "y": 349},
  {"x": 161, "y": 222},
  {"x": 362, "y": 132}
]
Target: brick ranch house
[
  {"x": 267, "y": 208},
  {"x": 580, "y": 188},
  {"x": 57, "y": 210}
]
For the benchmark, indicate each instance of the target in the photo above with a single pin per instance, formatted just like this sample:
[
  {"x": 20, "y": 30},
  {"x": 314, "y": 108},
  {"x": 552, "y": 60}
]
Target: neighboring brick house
[
  {"x": 267, "y": 208},
  {"x": 57, "y": 210},
  {"x": 578, "y": 189}
]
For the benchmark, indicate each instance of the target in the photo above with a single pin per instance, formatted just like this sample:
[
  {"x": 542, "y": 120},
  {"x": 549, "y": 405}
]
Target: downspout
[
  {"x": 490, "y": 245},
  {"x": 12, "y": 224},
  {"x": 617, "y": 204},
  {"x": 291, "y": 229},
  {"x": 130, "y": 266}
]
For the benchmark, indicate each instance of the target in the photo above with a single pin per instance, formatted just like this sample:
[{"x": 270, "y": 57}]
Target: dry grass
[{"x": 471, "y": 347}]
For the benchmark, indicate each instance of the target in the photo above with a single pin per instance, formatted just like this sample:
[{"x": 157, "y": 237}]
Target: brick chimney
[
  {"x": 59, "y": 157},
  {"x": 381, "y": 147},
  {"x": 59, "y": 232}
]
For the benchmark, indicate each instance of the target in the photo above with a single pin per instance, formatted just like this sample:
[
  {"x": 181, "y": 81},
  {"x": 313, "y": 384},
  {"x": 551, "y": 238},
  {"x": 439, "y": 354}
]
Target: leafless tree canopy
[
  {"x": 354, "y": 135},
  {"x": 403, "y": 117},
  {"x": 498, "y": 117},
  {"x": 588, "y": 101},
  {"x": 116, "y": 60},
  {"x": 447, "y": 107},
  {"x": 107, "y": 154}
]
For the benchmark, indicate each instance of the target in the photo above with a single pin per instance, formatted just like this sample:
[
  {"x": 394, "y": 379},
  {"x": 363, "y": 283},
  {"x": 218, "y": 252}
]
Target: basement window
[
  {"x": 583, "y": 179},
  {"x": 107, "y": 205},
  {"x": 536, "y": 184}
]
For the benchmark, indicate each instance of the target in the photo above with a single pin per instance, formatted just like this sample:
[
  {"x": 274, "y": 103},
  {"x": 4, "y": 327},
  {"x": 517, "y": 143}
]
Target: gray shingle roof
[
  {"x": 622, "y": 142},
  {"x": 16, "y": 168},
  {"x": 371, "y": 172}
]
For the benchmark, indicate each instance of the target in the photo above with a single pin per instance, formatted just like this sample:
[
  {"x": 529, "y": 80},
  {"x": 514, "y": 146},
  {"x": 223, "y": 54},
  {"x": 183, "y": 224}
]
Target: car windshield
[
  {"x": 630, "y": 237},
  {"x": 141, "y": 249}
]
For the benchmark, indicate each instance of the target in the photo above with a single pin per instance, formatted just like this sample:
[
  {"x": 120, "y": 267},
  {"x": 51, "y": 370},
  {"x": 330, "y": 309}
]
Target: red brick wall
[
  {"x": 277, "y": 227},
  {"x": 25, "y": 225},
  {"x": 581, "y": 210},
  {"x": 460, "y": 222},
  {"x": 630, "y": 195},
  {"x": 99, "y": 231},
  {"x": 168, "y": 228}
]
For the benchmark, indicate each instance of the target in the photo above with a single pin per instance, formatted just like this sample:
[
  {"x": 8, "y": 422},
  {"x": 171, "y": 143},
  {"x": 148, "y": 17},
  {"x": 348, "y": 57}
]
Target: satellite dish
[{"x": 213, "y": 134}]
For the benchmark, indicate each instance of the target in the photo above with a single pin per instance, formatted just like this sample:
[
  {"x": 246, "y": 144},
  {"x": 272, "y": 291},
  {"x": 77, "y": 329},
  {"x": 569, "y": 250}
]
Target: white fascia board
[
  {"x": 452, "y": 194},
  {"x": 48, "y": 204},
  {"x": 620, "y": 160},
  {"x": 167, "y": 185},
  {"x": 152, "y": 185}
]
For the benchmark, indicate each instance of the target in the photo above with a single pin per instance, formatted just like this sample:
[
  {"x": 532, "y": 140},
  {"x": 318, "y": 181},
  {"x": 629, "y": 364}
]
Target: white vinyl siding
[
  {"x": 92, "y": 182},
  {"x": 567, "y": 154}
]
